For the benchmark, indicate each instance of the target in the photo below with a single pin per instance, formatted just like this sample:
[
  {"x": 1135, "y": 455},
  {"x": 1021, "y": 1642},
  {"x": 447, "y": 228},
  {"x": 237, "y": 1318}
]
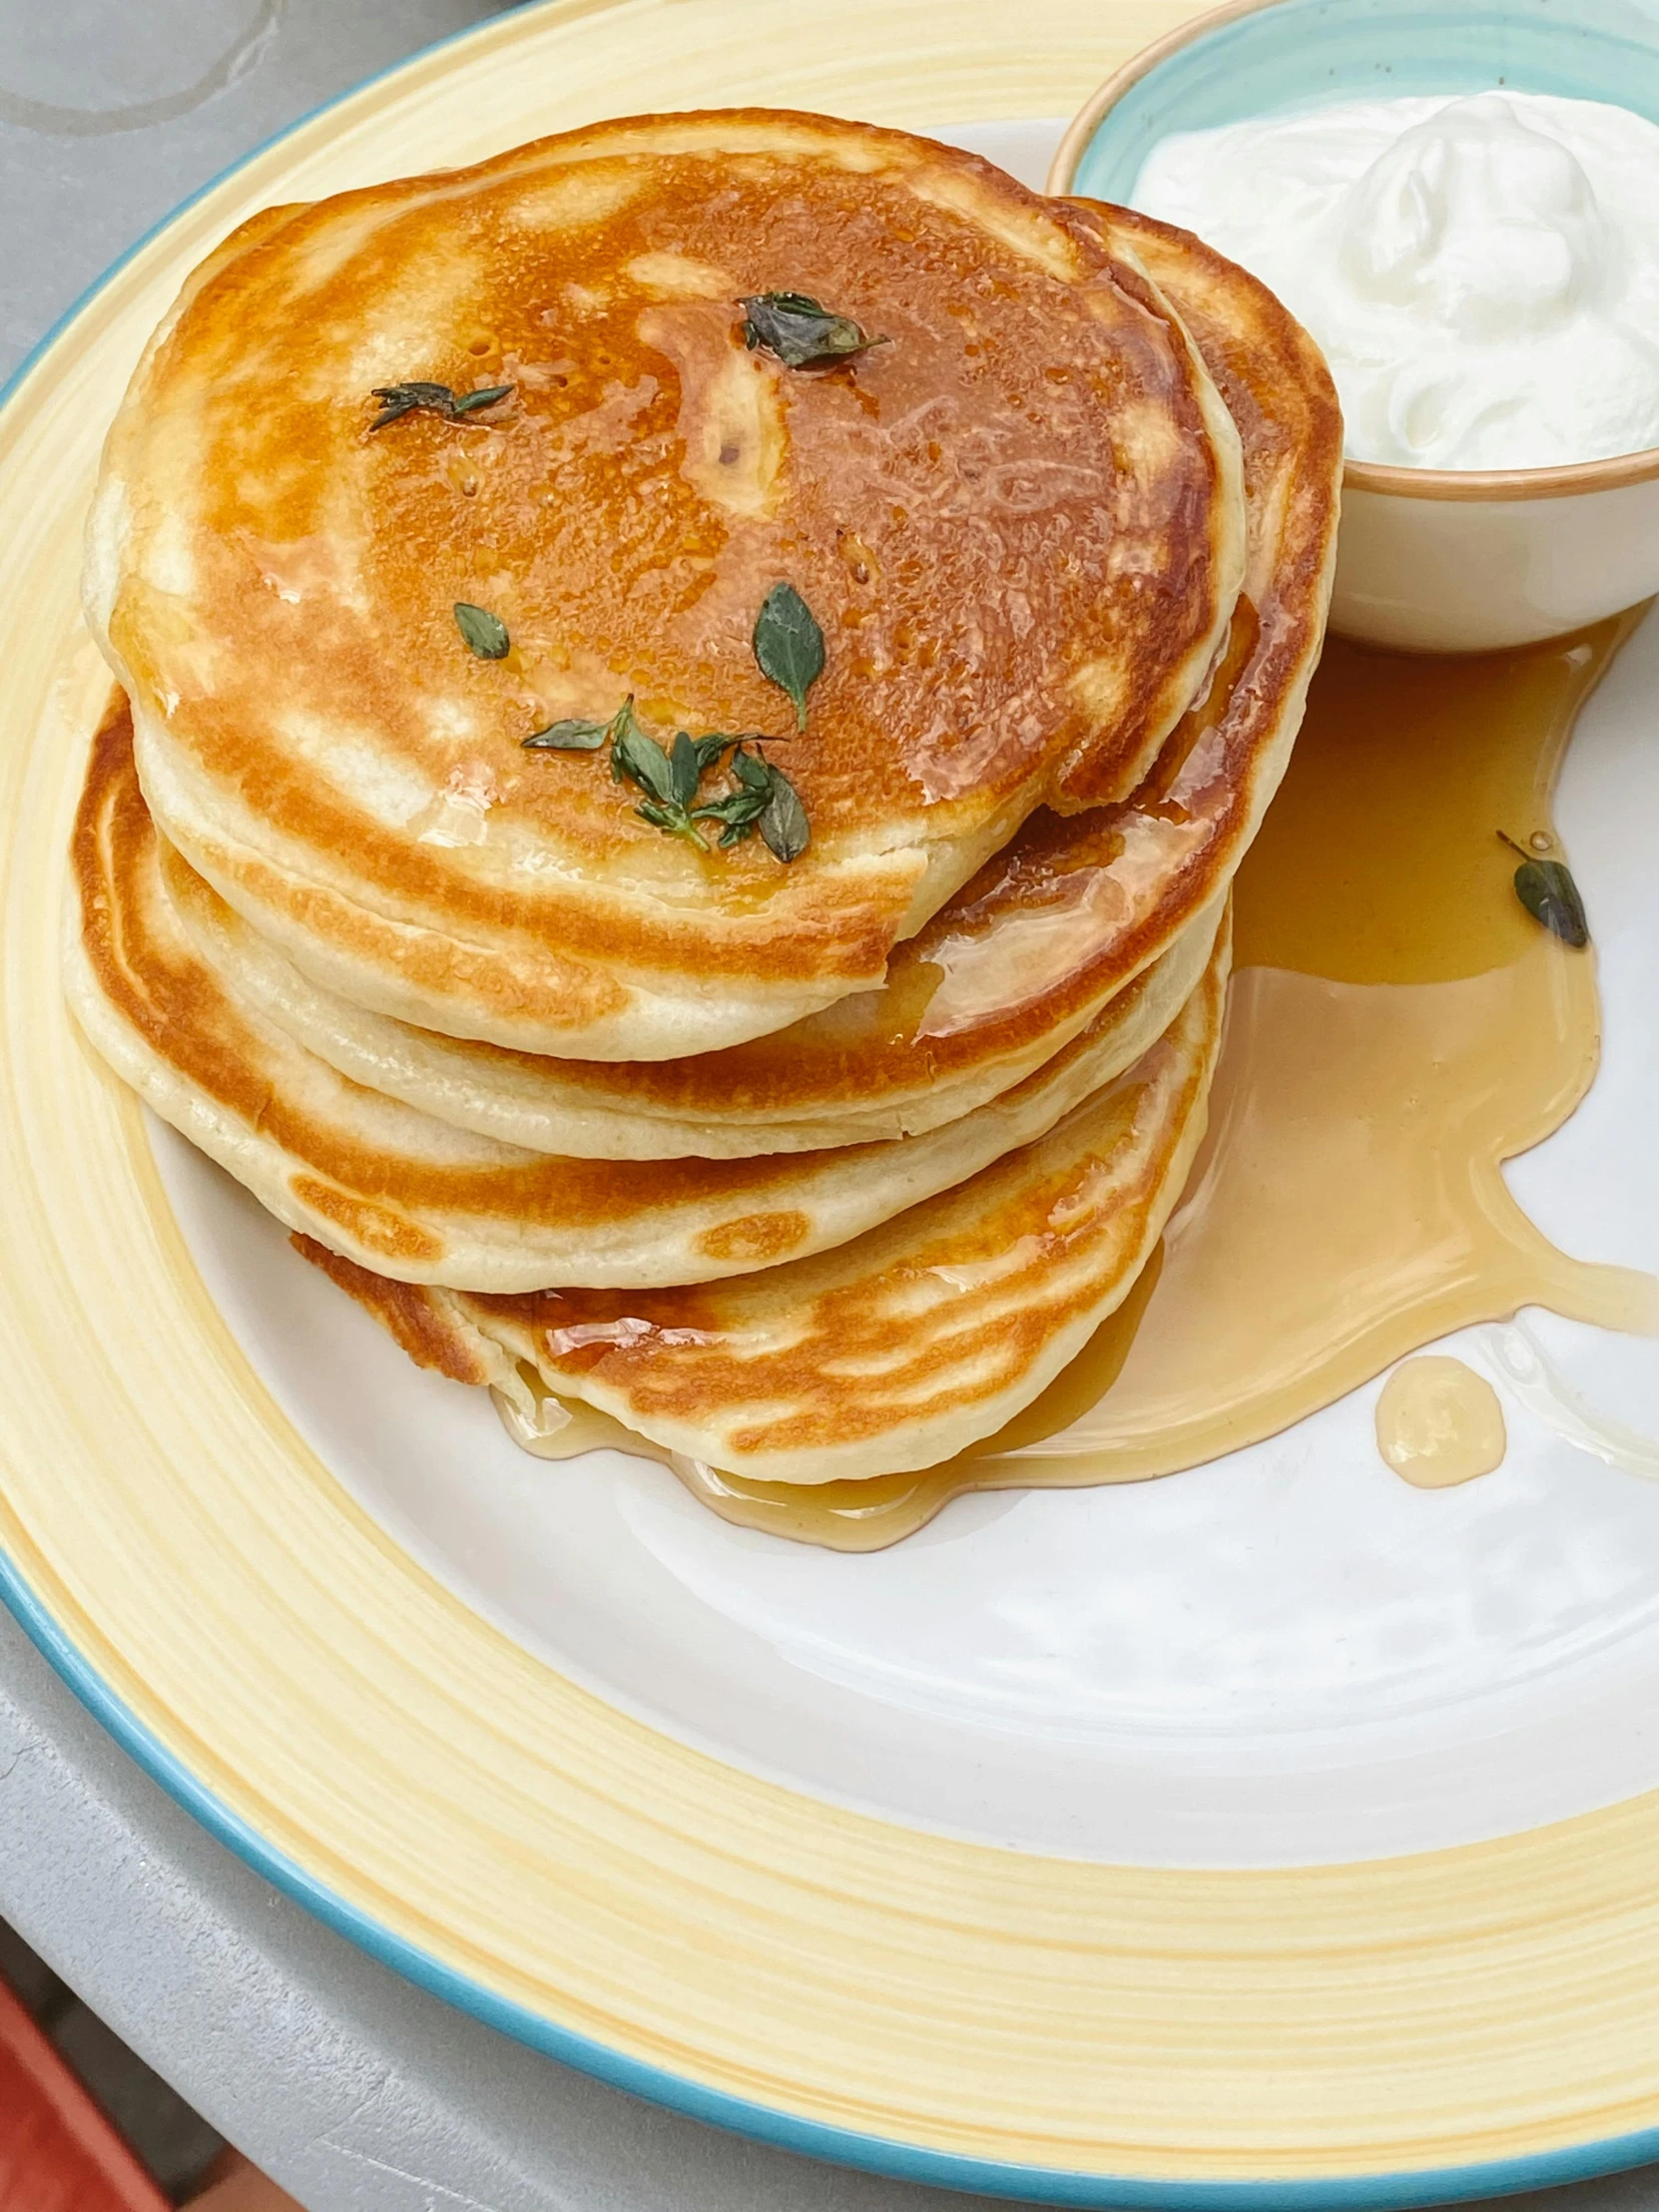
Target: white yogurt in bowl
[
  {"x": 1482, "y": 273},
  {"x": 1482, "y": 269}
]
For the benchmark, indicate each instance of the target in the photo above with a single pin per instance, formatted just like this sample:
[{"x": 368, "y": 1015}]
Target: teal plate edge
[{"x": 1387, "y": 2192}]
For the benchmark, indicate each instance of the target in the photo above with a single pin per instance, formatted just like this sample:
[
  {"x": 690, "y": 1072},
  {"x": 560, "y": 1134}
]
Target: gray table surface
[{"x": 356, "y": 2091}]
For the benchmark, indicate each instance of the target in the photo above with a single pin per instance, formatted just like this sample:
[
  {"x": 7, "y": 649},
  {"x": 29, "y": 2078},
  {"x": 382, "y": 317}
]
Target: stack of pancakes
[{"x": 965, "y": 553}]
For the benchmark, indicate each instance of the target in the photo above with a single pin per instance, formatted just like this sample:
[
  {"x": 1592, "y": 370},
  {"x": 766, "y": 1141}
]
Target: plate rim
[
  {"x": 1392, "y": 2190},
  {"x": 1400, "y": 2190}
]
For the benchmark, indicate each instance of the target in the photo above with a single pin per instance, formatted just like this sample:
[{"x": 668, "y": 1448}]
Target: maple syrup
[
  {"x": 1439, "y": 1424},
  {"x": 1398, "y": 1026}
]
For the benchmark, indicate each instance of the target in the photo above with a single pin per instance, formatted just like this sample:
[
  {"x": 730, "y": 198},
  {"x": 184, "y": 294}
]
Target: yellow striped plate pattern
[{"x": 618, "y": 1896}]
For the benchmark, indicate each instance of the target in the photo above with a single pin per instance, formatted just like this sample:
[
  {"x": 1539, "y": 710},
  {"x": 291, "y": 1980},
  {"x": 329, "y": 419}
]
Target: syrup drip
[
  {"x": 1398, "y": 1026},
  {"x": 1439, "y": 1424}
]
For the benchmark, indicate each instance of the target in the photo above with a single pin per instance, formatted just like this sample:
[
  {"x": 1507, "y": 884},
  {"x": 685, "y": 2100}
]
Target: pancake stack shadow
[{"x": 689, "y": 702}]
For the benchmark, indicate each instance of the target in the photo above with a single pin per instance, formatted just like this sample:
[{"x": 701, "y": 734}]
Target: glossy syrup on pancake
[
  {"x": 1019, "y": 524},
  {"x": 901, "y": 1347},
  {"x": 1399, "y": 1027},
  {"x": 1047, "y": 932}
]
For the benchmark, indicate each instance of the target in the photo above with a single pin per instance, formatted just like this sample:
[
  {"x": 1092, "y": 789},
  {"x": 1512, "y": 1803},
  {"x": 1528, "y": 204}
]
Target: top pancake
[
  {"x": 1019, "y": 525},
  {"x": 1025, "y": 955}
]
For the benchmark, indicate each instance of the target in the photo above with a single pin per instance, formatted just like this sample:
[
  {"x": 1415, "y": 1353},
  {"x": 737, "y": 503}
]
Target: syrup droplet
[{"x": 1439, "y": 1424}]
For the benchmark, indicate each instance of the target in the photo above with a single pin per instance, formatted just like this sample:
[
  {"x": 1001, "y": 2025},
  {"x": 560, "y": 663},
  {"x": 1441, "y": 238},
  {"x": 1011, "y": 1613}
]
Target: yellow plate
[{"x": 1384, "y": 2032}]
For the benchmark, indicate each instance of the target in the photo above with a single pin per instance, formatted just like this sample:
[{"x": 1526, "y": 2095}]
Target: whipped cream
[{"x": 1482, "y": 273}]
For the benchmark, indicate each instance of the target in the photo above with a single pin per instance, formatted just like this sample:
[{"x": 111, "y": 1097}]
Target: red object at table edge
[{"x": 58, "y": 2153}]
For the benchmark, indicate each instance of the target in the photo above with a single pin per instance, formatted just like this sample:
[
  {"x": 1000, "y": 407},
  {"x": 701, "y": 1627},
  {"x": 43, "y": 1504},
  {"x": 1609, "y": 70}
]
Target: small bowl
[{"x": 1428, "y": 560}]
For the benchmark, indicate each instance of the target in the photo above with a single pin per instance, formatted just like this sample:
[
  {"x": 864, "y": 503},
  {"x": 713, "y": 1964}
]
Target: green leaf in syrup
[
  {"x": 1549, "y": 894},
  {"x": 1546, "y": 889}
]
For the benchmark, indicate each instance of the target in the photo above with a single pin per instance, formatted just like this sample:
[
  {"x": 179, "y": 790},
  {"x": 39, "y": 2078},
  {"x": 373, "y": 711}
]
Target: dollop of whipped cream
[{"x": 1482, "y": 273}]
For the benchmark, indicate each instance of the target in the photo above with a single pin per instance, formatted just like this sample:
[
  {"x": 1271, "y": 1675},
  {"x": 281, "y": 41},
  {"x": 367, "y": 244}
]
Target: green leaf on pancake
[
  {"x": 642, "y": 760},
  {"x": 674, "y": 819},
  {"x": 438, "y": 399},
  {"x": 752, "y": 770},
  {"x": 788, "y": 646},
  {"x": 739, "y": 811},
  {"x": 684, "y": 762},
  {"x": 800, "y": 331},
  {"x": 569, "y": 736},
  {"x": 485, "y": 633},
  {"x": 783, "y": 823}
]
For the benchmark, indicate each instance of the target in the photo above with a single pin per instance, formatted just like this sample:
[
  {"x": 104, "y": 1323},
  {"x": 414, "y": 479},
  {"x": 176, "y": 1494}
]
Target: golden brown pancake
[
  {"x": 895, "y": 1352},
  {"x": 1022, "y": 957},
  {"x": 428, "y": 1202},
  {"x": 1018, "y": 523},
  {"x": 524, "y": 1100}
]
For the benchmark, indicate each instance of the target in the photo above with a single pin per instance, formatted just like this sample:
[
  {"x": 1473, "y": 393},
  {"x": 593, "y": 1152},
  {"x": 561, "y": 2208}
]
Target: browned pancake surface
[
  {"x": 898, "y": 1349},
  {"x": 1075, "y": 906},
  {"x": 1004, "y": 520},
  {"x": 388, "y": 1184}
]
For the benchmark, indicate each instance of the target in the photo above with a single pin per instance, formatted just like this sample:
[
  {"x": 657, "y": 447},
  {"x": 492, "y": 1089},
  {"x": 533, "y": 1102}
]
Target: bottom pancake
[{"x": 892, "y": 1352}]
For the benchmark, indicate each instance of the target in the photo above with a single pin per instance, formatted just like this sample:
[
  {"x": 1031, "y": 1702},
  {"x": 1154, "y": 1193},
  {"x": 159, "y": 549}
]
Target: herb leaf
[
  {"x": 800, "y": 331},
  {"x": 1549, "y": 894},
  {"x": 783, "y": 823},
  {"x": 643, "y": 761},
  {"x": 762, "y": 797},
  {"x": 569, "y": 736},
  {"x": 485, "y": 632},
  {"x": 674, "y": 819},
  {"x": 438, "y": 399},
  {"x": 788, "y": 646},
  {"x": 623, "y": 723},
  {"x": 738, "y": 809},
  {"x": 685, "y": 764},
  {"x": 710, "y": 748},
  {"x": 467, "y": 400},
  {"x": 578, "y": 736}
]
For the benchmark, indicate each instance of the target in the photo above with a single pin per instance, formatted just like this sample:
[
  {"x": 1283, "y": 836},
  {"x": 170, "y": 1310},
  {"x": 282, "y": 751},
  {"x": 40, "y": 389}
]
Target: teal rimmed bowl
[{"x": 1429, "y": 560}]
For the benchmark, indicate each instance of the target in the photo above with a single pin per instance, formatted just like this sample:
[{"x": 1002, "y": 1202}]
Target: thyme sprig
[
  {"x": 438, "y": 399},
  {"x": 802, "y": 331},
  {"x": 761, "y": 797}
]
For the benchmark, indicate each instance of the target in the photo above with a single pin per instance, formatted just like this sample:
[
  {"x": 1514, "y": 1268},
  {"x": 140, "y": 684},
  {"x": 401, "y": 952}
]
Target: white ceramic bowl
[
  {"x": 1464, "y": 561},
  {"x": 1428, "y": 560}
]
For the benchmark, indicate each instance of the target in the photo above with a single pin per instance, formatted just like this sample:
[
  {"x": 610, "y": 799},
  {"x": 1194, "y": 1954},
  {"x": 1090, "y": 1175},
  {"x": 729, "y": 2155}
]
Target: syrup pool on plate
[{"x": 1400, "y": 1025}]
